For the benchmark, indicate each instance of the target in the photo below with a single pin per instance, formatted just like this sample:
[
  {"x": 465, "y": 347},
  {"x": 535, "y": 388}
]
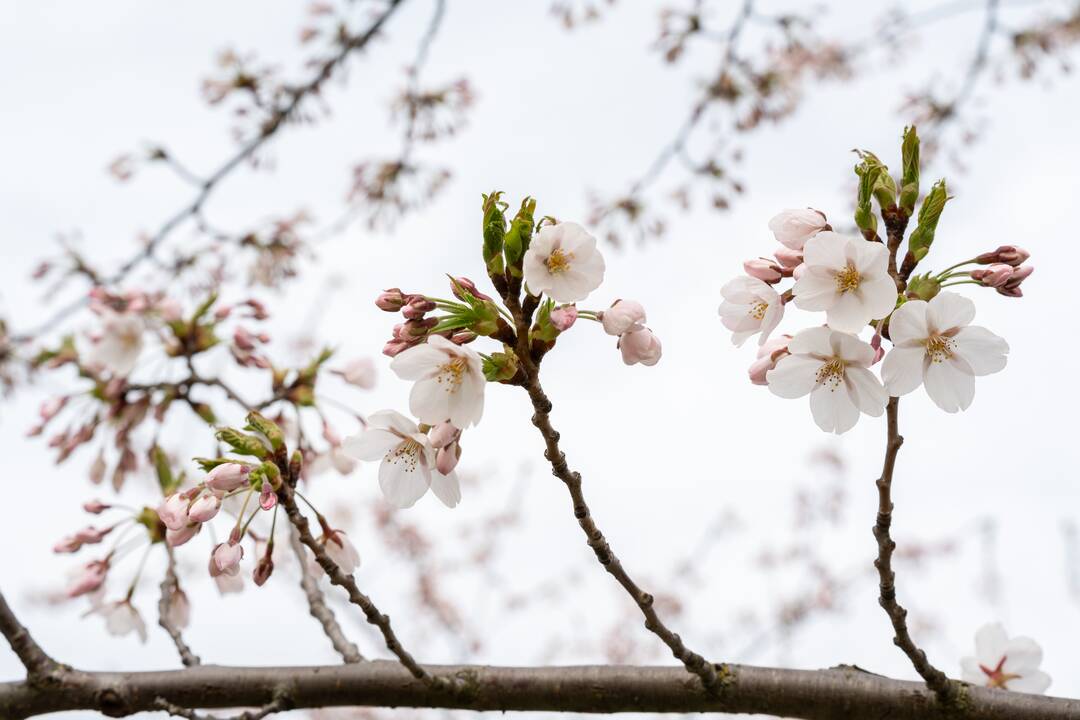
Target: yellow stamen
[
  {"x": 939, "y": 348},
  {"x": 407, "y": 453},
  {"x": 451, "y": 374},
  {"x": 831, "y": 373},
  {"x": 757, "y": 310},
  {"x": 848, "y": 279},
  {"x": 558, "y": 261}
]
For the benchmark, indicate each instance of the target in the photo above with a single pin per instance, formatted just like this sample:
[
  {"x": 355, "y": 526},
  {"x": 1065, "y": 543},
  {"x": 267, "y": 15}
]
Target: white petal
[
  {"x": 902, "y": 369},
  {"x": 949, "y": 310},
  {"x": 908, "y": 323},
  {"x": 417, "y": 362},
  {"x": 1022, "y": 656},
  {"x": 833, "y": 409},
  {"x": 794, "y": 376},
  {"x": 990, "y": 644},
  {"x": 827, "y": 248},
  {"x": 984, "y": 351},
  {"x": 745, "y": 290},
  {"x": 870, "y": 258},
  {"x": 848, "y": 314},
  {"x": 851, "y": 349},
  {"x": 371, "y": 444},
  {"x": 971, "y": 672},
  {"x": 1035, "y": 683},
  {"x": 466, "y": 404},
  {"x": 446, "y": 488},
  {"x": 878, "y": 296},
  {"x": 403, "y": 482},
  {"x": 812, "y": 341},
  {"x": 950, "y": 384},
  {"x": 429, "y": 401},
  {"x": 773, "y": 315},
  {"x": 866, "y": 391},
  {"x": 391, "y": 420},
  {"x": 816, "y": 289}
]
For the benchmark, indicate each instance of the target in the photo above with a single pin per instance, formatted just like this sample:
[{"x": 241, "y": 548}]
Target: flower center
[
  {"x": 757, "y": 310},
  {"x": 406, "y": 453},
  {"x": 939, "y": 348},
  {"x": 558, "y": 261},
  {"x": 451, "y": 374},
  {"x": 997, "y": 678},
  {"x": 831, "y": 373},
  {"x": 848, "y": 279}
]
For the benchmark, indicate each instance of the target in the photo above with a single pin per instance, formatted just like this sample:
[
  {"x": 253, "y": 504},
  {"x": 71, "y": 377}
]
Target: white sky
[{"x": 664, "y": 451}]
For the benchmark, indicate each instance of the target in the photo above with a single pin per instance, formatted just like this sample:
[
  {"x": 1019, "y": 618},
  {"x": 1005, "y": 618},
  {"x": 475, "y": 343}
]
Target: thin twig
[
  {"x": 318, "y": 607},
  {"x": 280, "y": 703},
  {"x": 39, "y": 666},
  {"x": 170, "y": 585}
]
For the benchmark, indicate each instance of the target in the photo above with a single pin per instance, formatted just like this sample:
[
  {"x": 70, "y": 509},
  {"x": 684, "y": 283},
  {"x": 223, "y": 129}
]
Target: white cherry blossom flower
[
  {"x": 848, "y": 278},
  {"x": 121, "y": 617},
  {"x": 562, "y": 261},
  {"x": 449, "y": 382},
  {"x": 341, "y": 550},
  {"x": 833, "y": 368},
  {"x": 1005, "y": 663},
  {"x": 934, "y": 345},
  {"x": 119, "y": 345},
  {"x": 792, "y": 228},
  {"x": 750, "y": 306},
  {"x": 408, "y": 459}
]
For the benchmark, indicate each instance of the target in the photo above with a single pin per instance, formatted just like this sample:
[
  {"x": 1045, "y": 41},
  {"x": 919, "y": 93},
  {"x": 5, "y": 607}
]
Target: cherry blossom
[
  {"x": 449, "y": 382},
  {"x": 173, "y": 511},
  {"x": 340, "y": 550},
  {"x": 227, "y": 477},
  {"x": 359, "y": 372},
  {"x": 768, "y": 355},
  {"x": 563, "y": 262},
  {"x": 640, "y": 346},
  {"x": 225, "y": 559},
  {"x": 119, "y": 345},
  {"x": 121, "y": 618},
  {"x": 408, "y": 457},
  {"x": 832, "y": 367},
  {"x": 935, "y": 345},
  {"x": 205, "y": 508},
  {"x": 848, "y": 278},
  {"x": 564, "y": 317},
  {"x": 1005, "y": 663},
  {"x": 89, "y": 579},
  {"x": 750, "y": 306},
  {"x": 622, "y": 317},
  {"x": 792, "y": 228}
]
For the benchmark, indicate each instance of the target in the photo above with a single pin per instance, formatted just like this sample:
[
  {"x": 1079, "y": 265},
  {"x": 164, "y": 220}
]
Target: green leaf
[
  {"x": 165, "y": 478},
  {"x": 494, "y": 229},
  {"x": 933, "y": 204},
  {"x": 909, "y": 188},
  {"x": 518, "y": 237},
  {"x": 241, "y": 443},
  {"x": 266, "y": 428}
]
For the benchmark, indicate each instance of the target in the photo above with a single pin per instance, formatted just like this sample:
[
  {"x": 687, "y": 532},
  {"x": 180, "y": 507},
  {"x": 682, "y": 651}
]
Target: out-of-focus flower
[
  {"x": 119, "y": 344},
  {"x": 1005, "y": 663},
  {"x": 90, "y": 578},
  {"x": 563, "y": 262},
  {"x": 359, "y": 372},
  {"x": 832, "y": 367},
  {"x": 935, "y": 345},
  {"x": 340, "y": 550}
]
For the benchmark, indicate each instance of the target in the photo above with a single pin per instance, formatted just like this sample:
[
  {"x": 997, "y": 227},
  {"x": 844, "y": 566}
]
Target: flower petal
[
  {"x": 371, "y": 444},
  {"x": 816, "y": 289},
  {"x": 991, "y": 643},
  {"x": 429, "y": 401},
  {"x": 848, "y": 314},
  {"x": 984, "y": 351},
  {"x": 1022, "y": 656},
  {"x": 793, "y": 376},
  {"x": 827, "y": 248},
  {"x": 833, "y": 409},
  {"x": 1036, "y": 683},
  {"x": 903, "y": 368},
  {"x": 866, "y": 391},
  {"x": 403, "y": 481},
  {"x": 418, "y": 362},
  {"x": 812, "y": 341},
  {"x": 446, "y": 488},
  {"x": 949, "y": 310},
  {"x": 950, "y": 384},
  {"x": 878, "y": 296},
  {"x": 908, "y": 323}
]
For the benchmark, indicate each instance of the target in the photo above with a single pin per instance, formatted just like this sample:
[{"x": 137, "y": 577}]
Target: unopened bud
[
  {"x": 390, "y": 300},
  {"x": 447, "y": 458},
  {"x": 394, "y": 347},
  {"x": 788, "y": 258},
  {"x": 764, "y": 270},
  {"x": 443, "y": 434},
  {"x": 263, "y": 569},
  {"x": 416, "y": 307},
  {"x": 563, "y": 317},
  {"x": 994, "y": 275},
  {"x": 1007, "y": 254},
  {"x": 463, "y": 337},
  {"x": 1012, "y": 287},
  {"x": 463, "y": 283}
]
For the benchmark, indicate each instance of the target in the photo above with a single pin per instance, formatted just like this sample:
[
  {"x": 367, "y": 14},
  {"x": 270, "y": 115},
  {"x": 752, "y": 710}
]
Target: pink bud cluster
[
  {"x": 183, "y": 513},
  {"x": 417, "y": 326},
  {"x": 625, "y": 319},
  {"x": 792, "y": 229},
  {"x": 1004, "y": 270}
]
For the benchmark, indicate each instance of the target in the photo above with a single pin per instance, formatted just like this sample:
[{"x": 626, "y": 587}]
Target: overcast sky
[{"x": 664, "y": 451}]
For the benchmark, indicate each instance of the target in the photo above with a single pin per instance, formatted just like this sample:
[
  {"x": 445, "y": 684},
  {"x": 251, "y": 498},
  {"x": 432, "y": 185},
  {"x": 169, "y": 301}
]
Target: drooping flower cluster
[{"x": 862, "y": 284}]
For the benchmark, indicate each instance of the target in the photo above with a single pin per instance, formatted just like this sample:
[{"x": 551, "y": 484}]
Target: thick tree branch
[
  {"x": 39, "y": 666},
  {"x": 169, "y": 586},
  {"x": 836, "y": 694},
  {"x": 935, "y": 679},
  {"x": 318, "y": 607}
]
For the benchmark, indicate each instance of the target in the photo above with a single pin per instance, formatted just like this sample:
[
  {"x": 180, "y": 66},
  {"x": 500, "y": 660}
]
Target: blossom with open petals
[
  {"x": 833, "y": 368},
  {"x": 563, "y": 262},
  {"x": 935, "y": 345},
  {"x": 792, "y": 228},
  {"x": 119, "y": 345},
  {"x": 848, "y": 278},
  {"x": 449, "y": 382},
  {"x": 408, "y": 458},
  {"x": 121, "y": 618},
  {"x": 1005, "y": 663},
  {"x": 750, "y": 306}
]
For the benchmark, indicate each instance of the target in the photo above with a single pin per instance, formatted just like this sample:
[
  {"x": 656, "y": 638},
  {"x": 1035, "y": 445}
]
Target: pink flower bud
[
  {"x": 390, "y": 300},
  {"x": 563, "y": 317},
  {"x": 879, "y": 352},
  {"x": 360, "y": 372},
  {"x": 205, "y": 508},
  {"x": 394, "y": 347},
  {"x": 463, "y": 337},
  {"x": 258, "y": 309},
  {"x": 789, "y": 258},
  {"x": 267, "y": 496},
  {"x": 223, "y": 312},
  {"x": 443, "y": 434},
  {"x": 227, "y": 477},
  {"x": 173, "y": 511},
  {"x": 993, "y": 275},
  {"x": 263, "y": 570},
  {"x": 176, "y": 538},
  {"x": 244, "y": 339},
  {"x": 1011, "y": 288},
  {"x": 89, "y": 579},
  {"x": 447, "y": 458},
  {"x": 767, "y": 356},
  {"x": 640, "y": 346},
  {"x": 225, "y": 559},
  {"x": 95, "y": 507},
  {"x": 793, "y": 228},
  {"x": 1008, "y": 254},
  {"x": 623, "y": 316},
  {"x": 51, "y": 407},
  {"x": 417, "y": 307},
  {"x": 763, "y": 270},
  {"x": 467, "y": 284}
]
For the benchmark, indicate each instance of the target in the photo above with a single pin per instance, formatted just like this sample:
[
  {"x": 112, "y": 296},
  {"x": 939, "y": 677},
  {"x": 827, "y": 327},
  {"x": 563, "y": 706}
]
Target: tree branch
[
  {"x": 318, "y": 607},
  {"x": 935, "y": 679},
  {"x": 280, "y": 703},
  {"x": 835, "y": 694},
  {"x": 169, "y": 586},
  {"x": 40, "y": 668}
]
